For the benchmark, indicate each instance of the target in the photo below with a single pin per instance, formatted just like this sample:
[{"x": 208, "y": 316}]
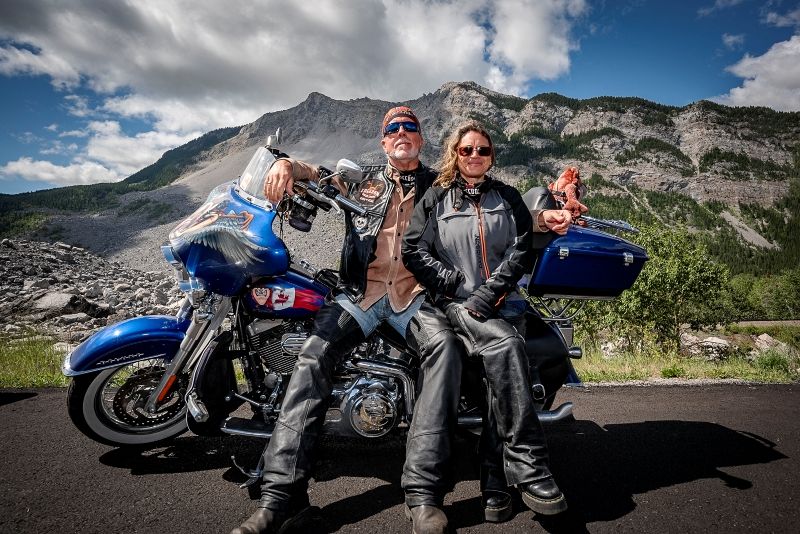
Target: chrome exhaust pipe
[{"x": 559, "y": 414}]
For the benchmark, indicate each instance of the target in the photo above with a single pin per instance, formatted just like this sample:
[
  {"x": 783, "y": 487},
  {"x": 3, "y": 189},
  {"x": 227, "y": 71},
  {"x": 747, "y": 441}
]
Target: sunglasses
[
  {"x": 483, "y": 151},
  {"x": 394, "y": 127}
]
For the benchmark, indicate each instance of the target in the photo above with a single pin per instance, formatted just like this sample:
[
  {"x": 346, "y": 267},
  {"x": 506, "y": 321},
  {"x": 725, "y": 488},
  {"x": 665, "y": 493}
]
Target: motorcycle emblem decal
[
  {"x": 370, "y": 191},
  {"x": 360, "y": 222},
  {"x": 274, "y": 297},
  {"x": 261, "y": 295},
  {"x": 281, "y": 298},
  {"x": 223, "y": 231}
]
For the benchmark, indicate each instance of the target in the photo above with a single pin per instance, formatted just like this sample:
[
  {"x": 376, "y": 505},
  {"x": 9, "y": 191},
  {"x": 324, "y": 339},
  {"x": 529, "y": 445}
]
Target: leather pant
[
  {"x": 427, "y": 473},
  {"x": 512, "y": 430},
  {"x": 287, "y": 457}
]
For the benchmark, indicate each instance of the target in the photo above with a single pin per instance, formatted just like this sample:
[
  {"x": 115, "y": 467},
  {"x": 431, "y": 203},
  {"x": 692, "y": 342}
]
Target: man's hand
[
  {"x": 557, "y": 220},
  {"x": 279, "y": 180}
]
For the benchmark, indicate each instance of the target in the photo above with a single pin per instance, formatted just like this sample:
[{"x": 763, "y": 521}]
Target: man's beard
[{"x": 403, "y": 155}]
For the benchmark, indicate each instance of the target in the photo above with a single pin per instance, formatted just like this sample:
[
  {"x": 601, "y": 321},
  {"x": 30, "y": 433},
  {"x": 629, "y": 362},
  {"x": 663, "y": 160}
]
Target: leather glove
[
  {"x": 454, "y": 280},
  {"x": 478, "y": 305}
]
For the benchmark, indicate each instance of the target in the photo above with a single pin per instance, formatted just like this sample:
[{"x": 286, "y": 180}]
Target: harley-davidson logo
[{"x": 370, "y": 191}]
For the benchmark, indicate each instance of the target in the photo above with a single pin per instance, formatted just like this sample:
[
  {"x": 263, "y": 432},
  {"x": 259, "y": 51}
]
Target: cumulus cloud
[
  {"x": 59, "y": 175},
  {"x": 772, "y": 79},
  {"x": 191, "y": 66},
  {"x": 124, "y": 154}
]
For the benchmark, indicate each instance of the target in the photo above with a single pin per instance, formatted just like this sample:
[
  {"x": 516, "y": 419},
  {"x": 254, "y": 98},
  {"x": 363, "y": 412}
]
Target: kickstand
[{"x": 253, "y": 475}]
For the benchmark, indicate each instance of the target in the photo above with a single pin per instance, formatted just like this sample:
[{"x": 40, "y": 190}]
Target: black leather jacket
[{"x": 360, "y": 241}]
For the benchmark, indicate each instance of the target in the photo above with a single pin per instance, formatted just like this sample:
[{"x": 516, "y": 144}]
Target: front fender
[{"x": 140, "y": 338}]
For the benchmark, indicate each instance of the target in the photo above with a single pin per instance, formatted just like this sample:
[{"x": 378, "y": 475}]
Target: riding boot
[
  {"x": 543, "y": 496},
  {"x": 427, "y": 519},
  {"x": 287, "y": 457},
  {"x": 495, "y": 495},
  {"x": 263, "y": 521}
]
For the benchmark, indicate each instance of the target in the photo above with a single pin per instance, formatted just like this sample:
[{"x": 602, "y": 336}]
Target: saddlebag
[{"x": 586, "y": 263}]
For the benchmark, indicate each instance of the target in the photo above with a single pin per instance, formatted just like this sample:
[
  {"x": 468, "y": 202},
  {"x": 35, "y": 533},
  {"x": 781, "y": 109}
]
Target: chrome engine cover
[
  {"x": 278, "y": 342},
  {"x": 368, "y": 408}
]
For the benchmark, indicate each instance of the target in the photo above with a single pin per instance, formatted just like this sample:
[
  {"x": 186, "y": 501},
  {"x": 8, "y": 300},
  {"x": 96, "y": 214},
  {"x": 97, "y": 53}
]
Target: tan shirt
[{"x": 387, "y": 274}]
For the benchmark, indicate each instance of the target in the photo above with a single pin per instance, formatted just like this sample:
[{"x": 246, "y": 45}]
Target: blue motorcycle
[{"x": 249, "y": 307}]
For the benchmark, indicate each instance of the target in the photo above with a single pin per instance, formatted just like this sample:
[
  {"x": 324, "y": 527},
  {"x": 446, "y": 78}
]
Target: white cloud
[
  {"x": 74, "y": 133},
  {"x": 123, "y": 154},
  {"x": 718, "y": 6},
  {"x": 732, "y": 42},
  {"x": 532, "y": 40},
  {"x": 792, "y": 18},
  {"x": 58, "y": 175},
  {"x": 772, "y": 79},
  {"x": 17, "y": 60},
  {"x": 190, "y": 66},
  {"x": 78, "y": 106}
]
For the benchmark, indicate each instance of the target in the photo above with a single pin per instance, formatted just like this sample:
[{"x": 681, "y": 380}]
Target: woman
[{"x": 468, "y": 243}]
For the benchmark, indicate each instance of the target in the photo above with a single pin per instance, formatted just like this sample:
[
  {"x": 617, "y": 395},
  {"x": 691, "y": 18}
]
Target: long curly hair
[{"x": 448, "y": 164}]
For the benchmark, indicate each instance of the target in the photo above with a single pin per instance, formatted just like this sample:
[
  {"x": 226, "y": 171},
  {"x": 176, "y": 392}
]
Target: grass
[
  {"x": 34, "y": 362},
  {"x": 771, "y": 366},
  {"x": 31, "y": 362}
]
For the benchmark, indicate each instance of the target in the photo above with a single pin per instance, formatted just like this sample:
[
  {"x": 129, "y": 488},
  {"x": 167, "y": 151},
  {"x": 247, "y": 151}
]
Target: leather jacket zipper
[
  {"x": 483, "y": 250},
  {"x": 482, "y": 240}
]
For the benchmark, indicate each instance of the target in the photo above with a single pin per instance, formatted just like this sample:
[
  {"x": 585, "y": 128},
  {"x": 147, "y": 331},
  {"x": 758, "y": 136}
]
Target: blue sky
[{"x": 93, "y": 90}]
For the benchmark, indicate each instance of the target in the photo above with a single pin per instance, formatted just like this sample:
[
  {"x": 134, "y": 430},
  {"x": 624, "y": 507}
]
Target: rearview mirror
[
  {"x": 275, "y": 139},
  {"x": 349, "y": 171}
]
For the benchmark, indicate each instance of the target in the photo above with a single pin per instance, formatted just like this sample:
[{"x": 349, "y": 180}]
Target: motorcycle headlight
[{"x": 190, "y": 285}]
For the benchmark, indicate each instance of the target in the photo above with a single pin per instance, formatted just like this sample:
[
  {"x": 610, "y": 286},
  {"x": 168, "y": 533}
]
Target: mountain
[{"x": 726, "y": 172}]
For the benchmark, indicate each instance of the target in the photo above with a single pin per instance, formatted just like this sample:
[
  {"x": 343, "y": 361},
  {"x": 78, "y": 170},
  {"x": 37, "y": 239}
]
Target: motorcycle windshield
[
  {"x": 251, "y": 182},
  {"x": 229, "y": 239}
]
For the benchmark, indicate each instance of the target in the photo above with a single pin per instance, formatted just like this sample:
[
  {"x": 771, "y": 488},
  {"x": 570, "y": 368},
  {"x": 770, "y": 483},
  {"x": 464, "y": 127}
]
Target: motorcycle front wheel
[{"x": 108, "y": 406}]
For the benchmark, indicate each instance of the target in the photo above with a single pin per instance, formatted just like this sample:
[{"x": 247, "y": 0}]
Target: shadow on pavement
[
  {"x": 600, "y": 469},
  {"x": 10, "y": 397},
  {"x": 184, "y": 454}
]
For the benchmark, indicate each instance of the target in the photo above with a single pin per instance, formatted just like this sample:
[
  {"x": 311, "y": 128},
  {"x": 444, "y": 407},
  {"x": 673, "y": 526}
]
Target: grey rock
[
  {"x": 40, "y": 283},
  {"x": 73, "y": 318}
]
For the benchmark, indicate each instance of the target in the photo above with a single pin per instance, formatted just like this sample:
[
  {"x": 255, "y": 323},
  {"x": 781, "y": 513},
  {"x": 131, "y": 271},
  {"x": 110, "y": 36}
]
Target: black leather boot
[
  {"x": 427, "y": 519},
  {"x": 263, "y": 521},
  {"x": 543, "y": 496},
  {"x": 496, "y": 506}
]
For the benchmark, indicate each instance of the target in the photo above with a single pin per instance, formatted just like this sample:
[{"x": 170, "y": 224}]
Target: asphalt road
[{"x": 720, "y": 458}]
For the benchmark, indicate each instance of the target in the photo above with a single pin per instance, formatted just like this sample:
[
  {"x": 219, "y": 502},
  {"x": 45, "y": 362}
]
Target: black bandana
[{"x": 472, "y": 191}]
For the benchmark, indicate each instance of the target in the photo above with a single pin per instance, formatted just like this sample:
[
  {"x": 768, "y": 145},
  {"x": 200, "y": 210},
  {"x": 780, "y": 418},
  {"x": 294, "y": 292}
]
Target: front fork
[{"x": 195, "y": 344}]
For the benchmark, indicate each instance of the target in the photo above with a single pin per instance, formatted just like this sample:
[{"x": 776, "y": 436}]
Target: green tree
[{"x": 679, "y": 284}]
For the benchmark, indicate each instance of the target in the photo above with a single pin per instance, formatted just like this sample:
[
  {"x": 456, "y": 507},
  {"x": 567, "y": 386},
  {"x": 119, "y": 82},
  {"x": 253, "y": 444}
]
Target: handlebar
[
  {"x": 591, "y": 222},
  {"x": 337, "y": 201}
]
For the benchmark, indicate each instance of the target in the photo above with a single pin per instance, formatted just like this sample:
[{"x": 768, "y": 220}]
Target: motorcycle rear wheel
[{"x": 108, "y": 406}]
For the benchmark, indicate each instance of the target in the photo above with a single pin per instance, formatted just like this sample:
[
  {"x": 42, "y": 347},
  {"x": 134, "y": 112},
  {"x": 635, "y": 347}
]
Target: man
[{"x": 374, "y": 287}]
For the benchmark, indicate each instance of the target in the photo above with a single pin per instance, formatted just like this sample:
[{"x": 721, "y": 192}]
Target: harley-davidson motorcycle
[{"x": 249, "y": 307}]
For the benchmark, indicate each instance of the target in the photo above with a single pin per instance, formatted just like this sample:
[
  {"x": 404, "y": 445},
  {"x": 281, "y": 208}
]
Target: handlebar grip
[
  {"x": 343, "y": 202},
  {"x": 351, "y": 206}
]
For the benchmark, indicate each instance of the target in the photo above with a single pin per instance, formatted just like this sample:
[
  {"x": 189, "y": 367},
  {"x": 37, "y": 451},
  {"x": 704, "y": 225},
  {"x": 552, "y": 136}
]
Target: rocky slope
[{"x": 66, "y": 292}]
